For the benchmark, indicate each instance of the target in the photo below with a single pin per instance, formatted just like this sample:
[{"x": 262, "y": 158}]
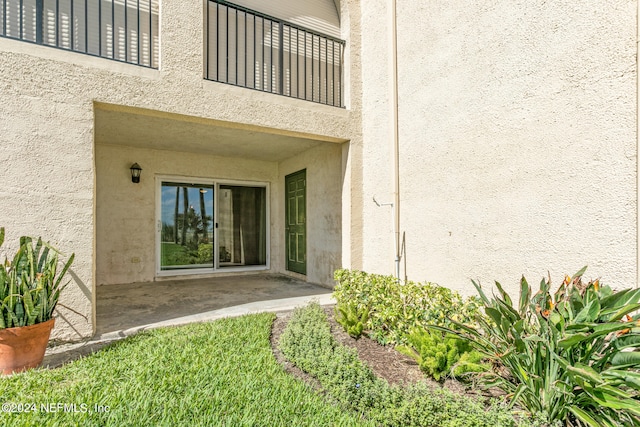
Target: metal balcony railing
[
  {"x": 121, "y": 30},
  {"x": 257, "y": 51}
]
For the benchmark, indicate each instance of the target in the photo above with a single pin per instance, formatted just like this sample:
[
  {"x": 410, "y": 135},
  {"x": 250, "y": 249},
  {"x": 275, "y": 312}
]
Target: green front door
[{"x": 296, "y": 221}]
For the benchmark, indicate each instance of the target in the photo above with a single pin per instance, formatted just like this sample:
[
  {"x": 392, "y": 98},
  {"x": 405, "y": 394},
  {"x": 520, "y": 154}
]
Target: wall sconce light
[{"x": 135, "y": 173}]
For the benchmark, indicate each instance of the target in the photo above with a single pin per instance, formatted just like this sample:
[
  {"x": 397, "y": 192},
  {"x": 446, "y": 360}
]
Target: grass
[
  {"x": 174, "y": 254},
  {"x": 220, "y": 373}
]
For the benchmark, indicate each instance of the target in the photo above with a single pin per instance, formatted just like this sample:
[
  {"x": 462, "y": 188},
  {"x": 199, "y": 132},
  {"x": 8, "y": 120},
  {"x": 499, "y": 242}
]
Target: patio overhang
[
  {"x": 207, "y": 156},
  {"x": 151, "y": 129}
]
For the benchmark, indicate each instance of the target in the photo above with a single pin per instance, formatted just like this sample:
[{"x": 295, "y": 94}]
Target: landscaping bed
[
  {"x": 566, "y": 354},
  {"x": 308, "y": 348},
  {"x": 385, "y": 361}
]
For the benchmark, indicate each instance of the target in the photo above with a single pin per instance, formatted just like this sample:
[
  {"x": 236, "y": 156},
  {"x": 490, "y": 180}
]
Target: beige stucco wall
[
  {"x": 126, "y": 212},
  {"x": 517, "y": 134},
  {"x": 324, "y": 169},
  {"x": 352, "y": 153},
  {"x": 517, "y": 139},
  {"x": 47, "y": 184},
  {"x": 47, "y": 127}
]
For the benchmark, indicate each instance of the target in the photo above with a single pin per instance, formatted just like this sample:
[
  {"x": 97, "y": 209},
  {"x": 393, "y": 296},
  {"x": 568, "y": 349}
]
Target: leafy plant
[
  {"x": 205, "y": 253},
  {"x": 442, "y": 355},
  {"x": 30, "y": 285},
  {"x": 396, "y": 308},
  {"x": 572, "y": 355},
  {"x": 352, "y": 318},
  {"x": 308, "y": 343}
]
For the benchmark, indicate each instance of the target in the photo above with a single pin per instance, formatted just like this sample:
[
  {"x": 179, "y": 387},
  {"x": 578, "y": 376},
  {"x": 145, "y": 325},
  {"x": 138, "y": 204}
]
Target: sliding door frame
[{"x": 216, "y": 183}]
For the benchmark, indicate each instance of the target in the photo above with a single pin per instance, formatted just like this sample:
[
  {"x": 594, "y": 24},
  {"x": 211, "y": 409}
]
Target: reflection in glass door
[{"x": 187, "y": 227}]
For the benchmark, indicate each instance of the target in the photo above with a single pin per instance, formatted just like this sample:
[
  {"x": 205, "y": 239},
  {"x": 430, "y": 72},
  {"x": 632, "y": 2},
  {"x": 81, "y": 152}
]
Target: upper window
[
  {"x": 122, "y": 30},
  {"x": 252, "y": 49}
]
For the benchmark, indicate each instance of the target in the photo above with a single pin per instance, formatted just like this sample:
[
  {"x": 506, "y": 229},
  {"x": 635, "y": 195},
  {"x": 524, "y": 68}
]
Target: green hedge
[
  {"x": 308, "y": 343},
  {"x": 396, "y": 309}
]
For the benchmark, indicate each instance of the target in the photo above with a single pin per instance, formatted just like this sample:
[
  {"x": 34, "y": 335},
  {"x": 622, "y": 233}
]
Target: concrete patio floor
[
  {"x": 122, "y": 307},
  {"x": 125, "y": 310}
]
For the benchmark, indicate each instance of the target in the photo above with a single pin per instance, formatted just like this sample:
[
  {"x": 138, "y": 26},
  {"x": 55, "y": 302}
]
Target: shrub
[
  {"x": 308, "y": 343},
  {"x": 205, "y": 253},
  {"x": 395, "y": 309},
  {"x": 307, "y": 338},
  {"x": 352, "y": 318},
  {"x": 571, "y": 356},
  {"x": 420, "y": 405},
  {"x": 442, "y": 355}
]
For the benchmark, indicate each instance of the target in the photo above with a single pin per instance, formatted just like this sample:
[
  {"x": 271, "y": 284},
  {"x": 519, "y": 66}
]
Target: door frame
[
  {"x": 286, "y": 218},
  {"x": 215, "y": 182}
]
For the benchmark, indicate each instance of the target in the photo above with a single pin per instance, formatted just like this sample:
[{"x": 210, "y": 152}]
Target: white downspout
[
  {"x": 396, "y": 155},
  {"x": 637, "y": 145}
]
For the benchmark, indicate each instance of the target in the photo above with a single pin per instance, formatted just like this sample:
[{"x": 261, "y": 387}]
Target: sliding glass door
[
  {"x": 187, "y": 234},
  {"x": 242, "y": 236},
  {"x": 209, "y": 226}
]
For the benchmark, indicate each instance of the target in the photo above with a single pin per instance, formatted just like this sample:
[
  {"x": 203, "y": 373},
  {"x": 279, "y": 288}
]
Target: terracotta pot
[{"x": 23, "y": 348}]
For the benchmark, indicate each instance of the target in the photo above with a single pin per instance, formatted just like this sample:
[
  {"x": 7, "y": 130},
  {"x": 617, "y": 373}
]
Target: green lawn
[
  {"x": 219, "y": 373},
  {"x": 173, "y": 254}
]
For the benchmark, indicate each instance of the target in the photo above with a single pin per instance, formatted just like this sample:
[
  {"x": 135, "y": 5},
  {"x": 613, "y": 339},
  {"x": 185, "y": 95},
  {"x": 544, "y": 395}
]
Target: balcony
[
  {"x": 257, "y": 51},
  {"x": 120, "y": 30}
]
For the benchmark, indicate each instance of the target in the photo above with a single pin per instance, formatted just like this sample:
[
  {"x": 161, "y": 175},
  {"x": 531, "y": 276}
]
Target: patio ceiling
[{"x": 135, "y": 127}]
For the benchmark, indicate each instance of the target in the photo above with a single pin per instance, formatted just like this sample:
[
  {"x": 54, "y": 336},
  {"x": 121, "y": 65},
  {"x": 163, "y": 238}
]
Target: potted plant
[{"x": 30, "y": 287}]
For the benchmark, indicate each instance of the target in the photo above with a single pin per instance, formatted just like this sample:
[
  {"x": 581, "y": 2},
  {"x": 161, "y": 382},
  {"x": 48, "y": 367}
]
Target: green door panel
[{"x": 296, "y": 222}]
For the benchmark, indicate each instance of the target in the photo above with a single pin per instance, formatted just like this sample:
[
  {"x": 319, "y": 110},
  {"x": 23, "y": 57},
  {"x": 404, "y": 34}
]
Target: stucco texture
[
  {"x": 126, "y": 213},
  {"x": 48, "y": 126},
  {"x": 324, "y": 169},
  {"x": 517, "y": 139}
]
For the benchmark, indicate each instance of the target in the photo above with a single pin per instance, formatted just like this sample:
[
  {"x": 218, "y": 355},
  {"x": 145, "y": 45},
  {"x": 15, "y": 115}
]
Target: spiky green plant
[
  {"x": 573, "y": 355},
  {"x": 441, "y": 355},
  {"x": 30, "y": 285},
  {"x": 352, "y": 318}
]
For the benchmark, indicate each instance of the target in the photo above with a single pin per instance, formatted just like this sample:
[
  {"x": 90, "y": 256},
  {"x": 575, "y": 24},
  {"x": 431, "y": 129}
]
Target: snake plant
[{"x": 31, "y": 283}]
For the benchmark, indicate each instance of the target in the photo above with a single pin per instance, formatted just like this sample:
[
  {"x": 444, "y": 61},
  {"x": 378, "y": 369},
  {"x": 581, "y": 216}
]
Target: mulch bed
[{"x": 386, "y": 362}]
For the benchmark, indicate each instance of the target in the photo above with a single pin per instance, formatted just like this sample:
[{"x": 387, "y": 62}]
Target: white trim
[{"x": 215, "y": 183}]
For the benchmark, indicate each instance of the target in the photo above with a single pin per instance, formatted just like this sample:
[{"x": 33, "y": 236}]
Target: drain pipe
[
  {"x": 396, "y": 148},
  {"x": 637, "y": 145}
]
